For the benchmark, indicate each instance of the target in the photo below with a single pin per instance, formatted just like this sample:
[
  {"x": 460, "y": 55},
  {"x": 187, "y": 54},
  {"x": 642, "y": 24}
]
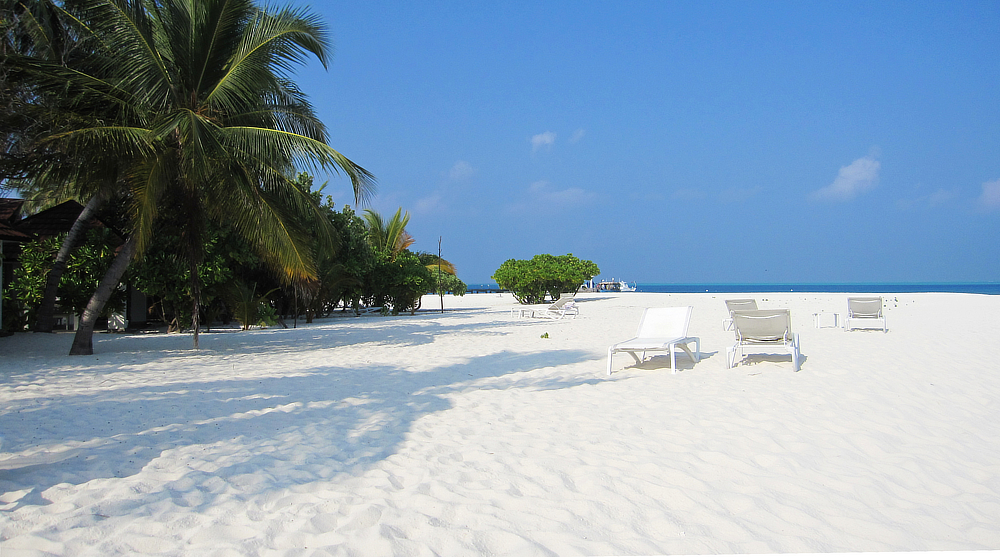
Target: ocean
[{"x": 873, "y": 287}]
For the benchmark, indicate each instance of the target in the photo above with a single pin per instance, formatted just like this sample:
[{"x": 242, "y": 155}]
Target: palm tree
[
  {"x": 208, "y": 121},
  {"x": 41, "y": 30},
  {"x": 392, "y": 237}
]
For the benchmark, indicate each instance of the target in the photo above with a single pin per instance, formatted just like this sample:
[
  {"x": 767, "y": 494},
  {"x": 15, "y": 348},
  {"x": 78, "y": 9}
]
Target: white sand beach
[{"x": 467, "y": 433}]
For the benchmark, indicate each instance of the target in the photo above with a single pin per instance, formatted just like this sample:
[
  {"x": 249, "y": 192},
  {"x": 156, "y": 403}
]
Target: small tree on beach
[{"x": 543, "y": 274}]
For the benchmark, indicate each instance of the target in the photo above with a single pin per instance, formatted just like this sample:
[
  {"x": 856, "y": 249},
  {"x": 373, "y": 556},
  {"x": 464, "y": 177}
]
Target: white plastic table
[{"x": 818, "y": 319}]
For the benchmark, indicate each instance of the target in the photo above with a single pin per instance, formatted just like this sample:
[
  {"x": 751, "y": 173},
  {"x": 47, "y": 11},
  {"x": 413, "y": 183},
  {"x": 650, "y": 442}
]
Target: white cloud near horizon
[
  {"x": 541, "y": 196},
  {"x": 541, "y": 140},
  {"x": 577, "y": 135},
  {"x": 857, "y": 177},
  {"x": 461, "y": 170},
  {"x": 990, "y": 198}
]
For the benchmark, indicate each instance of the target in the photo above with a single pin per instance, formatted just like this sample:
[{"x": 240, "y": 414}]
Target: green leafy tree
[
  {"x": 398, "y": 281},
  {"x": 162, "y": 273},
  {"x": 84, "y": 269},
  {"x": 207, "y": 121},
  {"x": 531, "y": 280},
  {"x": 37, "y": 35},
  {"x": 448, "y": 281}
]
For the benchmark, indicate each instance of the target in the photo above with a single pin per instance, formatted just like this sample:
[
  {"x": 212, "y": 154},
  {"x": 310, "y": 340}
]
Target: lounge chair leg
[
  {"x": 796, "y": 350},
  {"x": 610, "y": 356}
]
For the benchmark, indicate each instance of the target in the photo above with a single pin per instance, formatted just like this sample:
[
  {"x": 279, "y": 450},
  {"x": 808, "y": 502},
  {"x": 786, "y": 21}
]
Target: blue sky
[{"x": 723, "y": 142}]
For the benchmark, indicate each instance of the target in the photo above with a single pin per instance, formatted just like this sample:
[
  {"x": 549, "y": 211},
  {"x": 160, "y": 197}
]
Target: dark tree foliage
[{"x": 84, "y": 270}]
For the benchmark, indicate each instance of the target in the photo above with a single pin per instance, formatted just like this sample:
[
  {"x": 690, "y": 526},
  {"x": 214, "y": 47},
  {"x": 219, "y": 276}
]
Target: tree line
[{"x": 180, "y": 120}]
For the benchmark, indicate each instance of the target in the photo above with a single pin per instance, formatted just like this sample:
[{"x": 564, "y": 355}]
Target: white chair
[
  {"x": 733, "y": 305},
  {"x": 763, "y": 330},
  {"x": 660, "y": 330},
  {"x": 865, "y": 309},
  {"x": 565, "y": 305}
]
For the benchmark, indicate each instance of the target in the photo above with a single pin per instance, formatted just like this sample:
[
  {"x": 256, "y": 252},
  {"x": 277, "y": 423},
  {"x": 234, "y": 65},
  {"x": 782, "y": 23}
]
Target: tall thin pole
[{"x": 440, "y": 287}]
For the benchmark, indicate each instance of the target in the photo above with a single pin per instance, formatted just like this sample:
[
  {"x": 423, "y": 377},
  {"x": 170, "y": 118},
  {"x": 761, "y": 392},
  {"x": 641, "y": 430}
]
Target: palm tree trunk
[
  {"x": 44, "y": 320},
  {"x": 83, "y": 342},
  {"x": 195, "y": 298}
]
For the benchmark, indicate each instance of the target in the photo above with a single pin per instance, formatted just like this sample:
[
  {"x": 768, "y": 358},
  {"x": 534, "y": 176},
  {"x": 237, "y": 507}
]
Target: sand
[{"x": 468, "y": 433}]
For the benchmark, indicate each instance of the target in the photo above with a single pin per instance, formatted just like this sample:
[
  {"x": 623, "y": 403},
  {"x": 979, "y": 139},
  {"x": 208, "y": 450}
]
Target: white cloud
[
  {"x": 577, "y": 135},
  {"x": 857, "y": 177},
  {"x": 541, "y": 197},
  {"x": 990, "y": 199},
  {"x": 429, "y": 204},
  {"x": 461, "y": 170},
  {"x": 542, "y": 193},
  {"x": 542, "y": 140}
]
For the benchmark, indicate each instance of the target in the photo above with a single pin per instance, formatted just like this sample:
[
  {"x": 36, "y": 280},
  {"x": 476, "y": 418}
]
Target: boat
[{"x": 611, "y": 285}]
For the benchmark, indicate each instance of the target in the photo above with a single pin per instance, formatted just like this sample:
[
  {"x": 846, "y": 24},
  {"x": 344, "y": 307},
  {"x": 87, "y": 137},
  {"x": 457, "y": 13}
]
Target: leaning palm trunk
[
  {"x": 83, "y": 342},
  {"x": 44, "y": 320}
]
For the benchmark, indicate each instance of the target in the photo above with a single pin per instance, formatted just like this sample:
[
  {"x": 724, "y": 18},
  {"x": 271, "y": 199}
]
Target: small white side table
[{"x": 822, "y": 319}]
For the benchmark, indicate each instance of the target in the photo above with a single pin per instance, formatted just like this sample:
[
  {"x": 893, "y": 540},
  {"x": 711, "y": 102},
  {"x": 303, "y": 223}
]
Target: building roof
[
  {"x": 10, "y": 210},
  {"x": 54, "y": 220},
  {"x": 12, "y": 235}
]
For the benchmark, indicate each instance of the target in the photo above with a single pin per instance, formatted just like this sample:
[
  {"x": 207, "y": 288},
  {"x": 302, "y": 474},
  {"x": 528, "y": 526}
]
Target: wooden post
[{"x": 440, "y": 289}]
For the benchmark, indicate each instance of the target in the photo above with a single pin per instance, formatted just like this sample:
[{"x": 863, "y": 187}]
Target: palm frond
[{"x": 304, "y": 152}]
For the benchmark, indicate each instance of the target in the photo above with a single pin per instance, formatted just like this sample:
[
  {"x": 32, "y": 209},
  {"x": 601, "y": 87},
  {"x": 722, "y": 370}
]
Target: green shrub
[
  {"x": 543, "y": 274},
  {"x": 449, "y": 283},
  {"x": 250, "y": 309},
  {"x": 86, "y": 266}
]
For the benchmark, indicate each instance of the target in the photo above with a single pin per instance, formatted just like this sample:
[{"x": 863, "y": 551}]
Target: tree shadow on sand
[
  {"x": 114, "y": 350},
  {"x": 313, "y": 425}
]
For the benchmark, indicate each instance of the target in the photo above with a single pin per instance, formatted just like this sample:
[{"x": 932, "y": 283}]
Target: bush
[
  {"x": 398, "y": 281},
  {"x": 86, "y": 266},
  {"x": 449, "y": 283},
  {"x": 531, "y": 280},
  {"x": 250, "y": 309}
]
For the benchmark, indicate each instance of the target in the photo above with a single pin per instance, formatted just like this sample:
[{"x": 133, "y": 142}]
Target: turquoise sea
[{"x": 873, "y": 287}]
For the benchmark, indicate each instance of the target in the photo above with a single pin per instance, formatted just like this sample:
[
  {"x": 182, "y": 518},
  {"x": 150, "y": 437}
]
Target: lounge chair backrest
[
  {"x": 665, "y": 322},
  {"x": 733, "y": 305},
  {"x": 864, "y": 307},
  {"x": 562, "y": 301},
  {"x": 763, "y": 325}
]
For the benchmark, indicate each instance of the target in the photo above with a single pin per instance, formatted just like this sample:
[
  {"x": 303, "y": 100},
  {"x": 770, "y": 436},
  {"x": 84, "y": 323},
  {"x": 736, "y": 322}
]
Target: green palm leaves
[
  {"x": 188, "y": 104},
  {"x": 207, "y": 117},
  {"x": 390, "y": 235}
]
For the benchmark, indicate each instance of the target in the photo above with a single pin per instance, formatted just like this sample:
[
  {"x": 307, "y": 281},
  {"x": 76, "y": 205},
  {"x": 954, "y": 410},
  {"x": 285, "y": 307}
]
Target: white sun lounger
[
  {"x": 660, "y": 330},
  {"x": 865, "y": 309},
  {"x": 565, "y": 305},
  {"x": 763, "y": 330},
  {"x": 733, "y": 305}
]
